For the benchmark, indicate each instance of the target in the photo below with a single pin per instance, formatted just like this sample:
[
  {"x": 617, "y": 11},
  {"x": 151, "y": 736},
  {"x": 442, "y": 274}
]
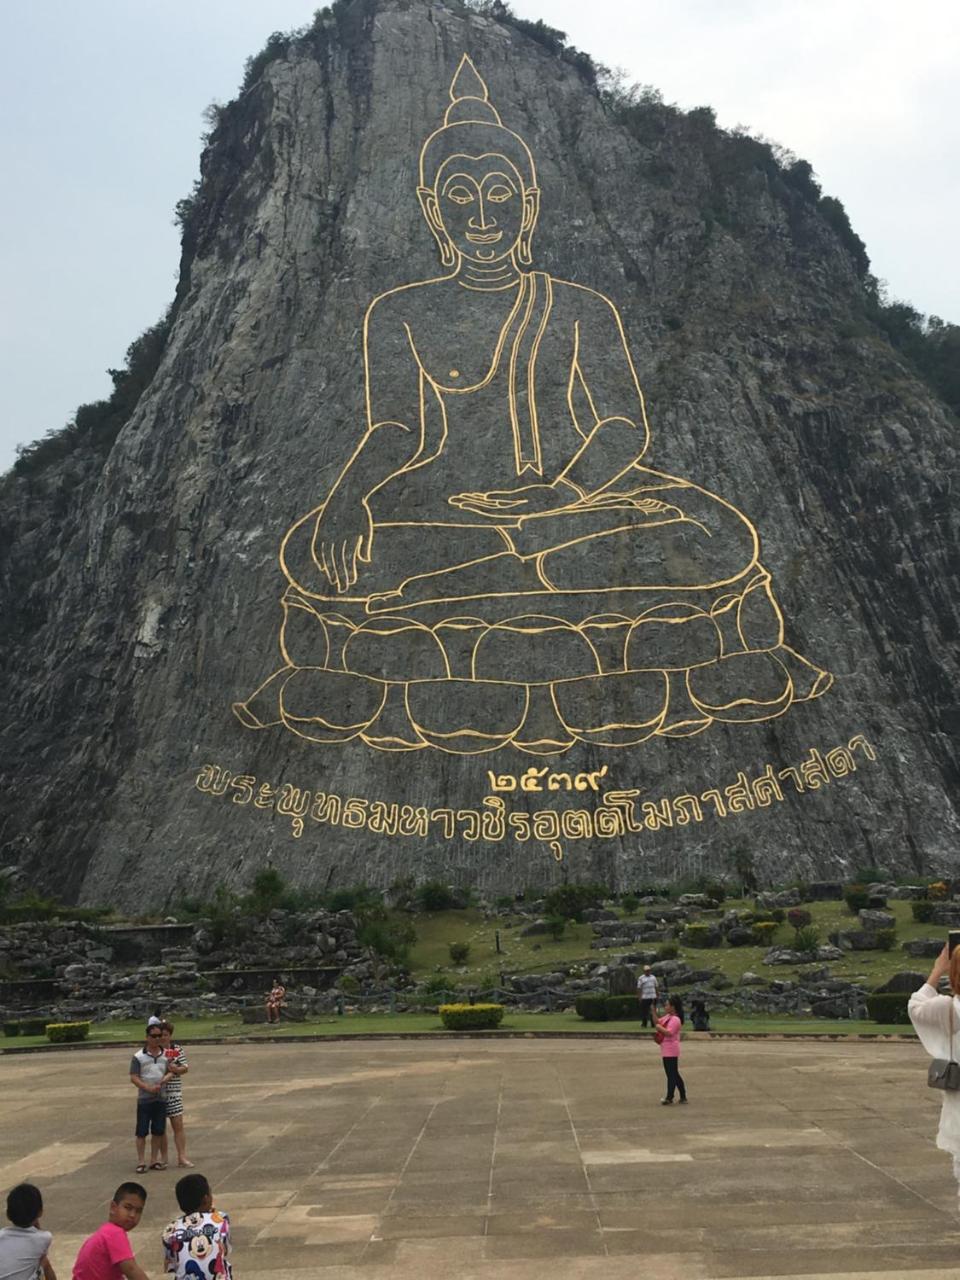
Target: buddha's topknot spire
[{"x": 469, "y": 97}]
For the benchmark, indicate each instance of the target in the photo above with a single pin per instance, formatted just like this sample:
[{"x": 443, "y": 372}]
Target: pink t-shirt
[
  {"x": 101, "y": 1254},
  {"x": 670, "y": 1045}
]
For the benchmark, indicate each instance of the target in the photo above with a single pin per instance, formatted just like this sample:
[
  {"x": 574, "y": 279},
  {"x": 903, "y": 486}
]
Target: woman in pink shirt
[{"x": 670, "y": 1025}]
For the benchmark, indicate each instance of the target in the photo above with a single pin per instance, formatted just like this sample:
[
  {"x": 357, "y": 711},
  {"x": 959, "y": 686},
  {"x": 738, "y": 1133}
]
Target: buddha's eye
[
  {"x": 460, "y": 195},
  {"x": 498, "y": 193}
]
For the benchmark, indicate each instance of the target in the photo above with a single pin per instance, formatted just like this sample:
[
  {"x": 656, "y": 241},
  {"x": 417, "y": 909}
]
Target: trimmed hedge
[
  {"x": 763, "y": 931},
  {"x": 889, "y": 1006},
  {"x": 922, "y": 909},
  {"x": 67, "y": 1032},
  {"x": 11, "y": 1028},
  {"x": 591, "y": 1008},
  {"x": 621, "y": 1007},
  {"x": 33, "y": 1026},
  {"x": 700, "y": 935},
  {"x": 856, "y": 897},
  {"x": 471, "y": 1017}
]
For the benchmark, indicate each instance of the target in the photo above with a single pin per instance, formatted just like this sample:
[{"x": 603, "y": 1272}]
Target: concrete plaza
[{"x": 514, "y": 1158}]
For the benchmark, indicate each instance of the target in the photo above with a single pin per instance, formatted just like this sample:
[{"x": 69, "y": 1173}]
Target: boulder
[
  {"x": 784, "y": 898},
  {"x": 930, "y": 947},
  {"x": 874, "y": 920},
  {"x": 904, "y": 981}
]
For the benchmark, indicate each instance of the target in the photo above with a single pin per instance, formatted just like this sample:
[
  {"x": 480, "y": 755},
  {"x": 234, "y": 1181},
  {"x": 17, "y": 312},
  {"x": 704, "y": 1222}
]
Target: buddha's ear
[
  {"x": 431, "y": 211},
  {"x": 531, "y": 211}
]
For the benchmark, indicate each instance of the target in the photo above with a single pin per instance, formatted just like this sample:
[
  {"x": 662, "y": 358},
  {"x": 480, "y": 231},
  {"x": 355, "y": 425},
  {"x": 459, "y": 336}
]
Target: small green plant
[
  {"x": 504, "y": 902},
  {"x": 807, "y": 939},
  {"x": 267, "y": 890},
  {"x": 889, "y": 1006},
  {"x": 349, "y": 985},
  {"x": 764, "y": 931},
  {"x": 471, "y": 1017},
  {"x": 629, "y": 904},
  {"x": 556, "y": 926},
  {"x": 798, "y": 918},
  {"x": 459, "y": 951},
  {"x": 922, "y": 910},
  {"x": 437, "y": 985},
  {"x": 856, "y": 897},
  {"x": 700, "y": 935},
  {"x": 571, "y": 900},
  {"x": 67, "y": 1032},
  {"x": 434, "y": 895},
  {"x": 668, "y": 951},
  {"x": 886, "y": 938}
]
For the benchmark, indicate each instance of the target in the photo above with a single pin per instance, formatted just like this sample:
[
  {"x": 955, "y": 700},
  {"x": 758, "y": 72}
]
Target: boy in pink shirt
[{"x": 106, "y": 1255}]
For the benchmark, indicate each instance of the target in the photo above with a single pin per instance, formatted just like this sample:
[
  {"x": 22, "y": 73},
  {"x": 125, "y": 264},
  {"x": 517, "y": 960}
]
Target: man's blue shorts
[{"x": 151, "y": 1117}]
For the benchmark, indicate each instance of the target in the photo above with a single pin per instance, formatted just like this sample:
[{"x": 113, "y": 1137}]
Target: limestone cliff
[{"x": 141, "y": 594}]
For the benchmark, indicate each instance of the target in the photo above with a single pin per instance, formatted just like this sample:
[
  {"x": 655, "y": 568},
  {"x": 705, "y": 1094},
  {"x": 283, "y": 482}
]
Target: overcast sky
[{"x": 102, "y": 105}]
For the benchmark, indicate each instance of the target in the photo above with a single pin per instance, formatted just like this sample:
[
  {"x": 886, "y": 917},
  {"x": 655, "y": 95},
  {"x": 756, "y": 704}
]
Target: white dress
[{"x": 930, "y": 1015}]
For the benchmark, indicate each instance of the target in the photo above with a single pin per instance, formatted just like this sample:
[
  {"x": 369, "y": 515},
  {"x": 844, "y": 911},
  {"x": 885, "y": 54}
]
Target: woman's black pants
[{"x": 671, "y": 1067}]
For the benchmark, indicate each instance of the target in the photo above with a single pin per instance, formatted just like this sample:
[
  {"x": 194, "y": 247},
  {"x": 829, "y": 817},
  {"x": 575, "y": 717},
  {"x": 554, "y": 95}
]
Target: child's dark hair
[
  {"x": 24, "y": 1204},
  {"x": 130, "y": 1189},
  {"x": 191, "y": 1191}
]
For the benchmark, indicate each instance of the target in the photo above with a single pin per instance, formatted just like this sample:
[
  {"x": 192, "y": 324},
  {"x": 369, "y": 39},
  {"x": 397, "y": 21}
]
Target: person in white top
[
  {"x": 23, "y": 1246},
  {"x": 932, "y": 1016},
  {"x": 647, "y": 995}
]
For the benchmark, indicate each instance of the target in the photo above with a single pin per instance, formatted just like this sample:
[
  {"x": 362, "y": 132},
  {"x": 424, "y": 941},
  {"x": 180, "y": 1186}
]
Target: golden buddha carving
[{"x": 493, "y": 565}]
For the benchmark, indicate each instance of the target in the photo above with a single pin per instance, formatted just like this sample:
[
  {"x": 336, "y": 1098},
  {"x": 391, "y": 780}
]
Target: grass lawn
[
  {"x": 228, "y": 1027},
  {"x": 541, "y": 954}
]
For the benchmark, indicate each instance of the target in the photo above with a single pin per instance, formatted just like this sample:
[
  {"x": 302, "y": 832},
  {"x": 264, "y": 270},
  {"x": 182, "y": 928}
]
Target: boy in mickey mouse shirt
[{"x": 196, "y": 1246}]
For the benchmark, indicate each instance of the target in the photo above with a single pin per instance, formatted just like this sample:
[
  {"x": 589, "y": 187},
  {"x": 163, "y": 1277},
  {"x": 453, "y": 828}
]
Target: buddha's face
[{"x": 481, "y": 206}]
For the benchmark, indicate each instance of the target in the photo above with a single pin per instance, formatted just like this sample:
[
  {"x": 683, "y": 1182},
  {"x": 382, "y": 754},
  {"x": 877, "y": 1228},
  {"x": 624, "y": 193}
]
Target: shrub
[
  {"x": 11, "y": 1028},
  {"x": 471, "y": 1017},
  {"x": 67, "y": 1032},
  {"x": 571, "y": 900},
  {"x": 592, "y": 1008},
  {"x": 807, "y": 939},
  {"x": 700, "y": 935},
  {"x": 505, "y": 901},
  {"x": 267, "y": 889},
  {"x": 886, "y": 939},
  {"x": 629, "y": 903},
  {"x": 937, "y": 890},
  {"x": 668, "y": 951},
  {"x": 355, "y": 898},
  {"x": 856, "y": 897},
  {"x": 922, "y": 909},
  {"x": 778, "y": 915},
  {"x": 798, "y": 918},
  {"x": 622, "y": 1007},
  {"x": 459, "y": 952},
  {"x": 715, "y": 891},
  {"x": 436, "y": 985},
  {"x": 434, "y": 895},
  {"x": 888, "y": 1006},
  {"x": 33, "y": 1026},
  {"x": 763, "y": 931},
  {"x": 390, "y": 936},
  {"x": 556, "y": 926}
]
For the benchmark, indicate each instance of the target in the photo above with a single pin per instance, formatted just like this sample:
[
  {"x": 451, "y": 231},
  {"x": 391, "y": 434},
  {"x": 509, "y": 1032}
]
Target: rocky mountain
[{"x": 507, "y": 639}]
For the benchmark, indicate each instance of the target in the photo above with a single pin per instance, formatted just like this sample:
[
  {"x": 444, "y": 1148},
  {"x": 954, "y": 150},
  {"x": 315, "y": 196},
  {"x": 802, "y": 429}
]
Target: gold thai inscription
[{"x": 620, "y": 813}]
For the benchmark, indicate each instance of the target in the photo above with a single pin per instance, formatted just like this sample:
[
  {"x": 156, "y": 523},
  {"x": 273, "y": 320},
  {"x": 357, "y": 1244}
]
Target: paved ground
[{"x": 480, "y": 1159}]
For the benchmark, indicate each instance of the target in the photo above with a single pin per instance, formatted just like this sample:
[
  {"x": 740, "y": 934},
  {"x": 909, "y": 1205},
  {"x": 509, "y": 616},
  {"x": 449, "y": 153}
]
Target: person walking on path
[
  {"x": 669, "y": 1026},
  {"x": 23, "y": 1246},
  {"x": 647, "y": 995},
  {"x": 172, "y": 1095},
  {"x": 106, "y": 1255},
  {"x": 936, "y": 1019},
  {"x": 148, "y": 1071}
]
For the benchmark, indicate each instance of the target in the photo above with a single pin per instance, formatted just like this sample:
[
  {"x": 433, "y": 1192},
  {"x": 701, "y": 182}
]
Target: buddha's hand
[
  {"x": 343, "y": 540},
  {"x": 530, "y": 500}
]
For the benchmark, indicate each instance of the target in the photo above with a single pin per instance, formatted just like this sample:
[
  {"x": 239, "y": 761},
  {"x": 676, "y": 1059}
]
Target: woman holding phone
[
  {"x": 936, "y": 1019},
  {"x": 669, "y": 1026}
]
